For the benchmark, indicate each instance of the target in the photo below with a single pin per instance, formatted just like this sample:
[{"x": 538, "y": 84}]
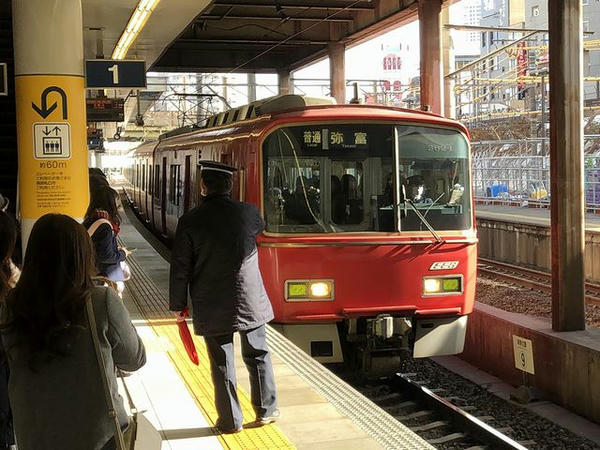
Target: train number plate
[{"x": 444, "y": 265}]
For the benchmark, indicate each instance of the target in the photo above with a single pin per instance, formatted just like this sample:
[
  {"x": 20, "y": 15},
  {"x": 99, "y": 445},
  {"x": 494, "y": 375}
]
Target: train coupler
[{"x": 386, "y": 327}]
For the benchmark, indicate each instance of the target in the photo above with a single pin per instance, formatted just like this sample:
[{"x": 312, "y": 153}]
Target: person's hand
[
  {"x": 181, "y": 315},
  {"x": 126, "y": 251}
]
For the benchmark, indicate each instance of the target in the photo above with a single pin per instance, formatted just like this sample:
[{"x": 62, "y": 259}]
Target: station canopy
[{"x": 241, "y": 35}]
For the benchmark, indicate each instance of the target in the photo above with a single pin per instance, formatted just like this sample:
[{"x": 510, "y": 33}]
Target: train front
[{"x": 370, "y": 242}]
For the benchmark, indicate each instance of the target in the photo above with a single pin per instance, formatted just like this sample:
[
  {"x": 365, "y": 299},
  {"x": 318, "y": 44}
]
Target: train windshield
[{"x": 332, "y": 178}]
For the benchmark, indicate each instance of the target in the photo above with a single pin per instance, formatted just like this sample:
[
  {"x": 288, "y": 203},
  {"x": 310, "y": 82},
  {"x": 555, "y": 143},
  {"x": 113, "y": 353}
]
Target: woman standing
[
  {"x": 102, "y": 221},
  {"x": 9, "y": 275},
  {"x": 55, "y": 388}
]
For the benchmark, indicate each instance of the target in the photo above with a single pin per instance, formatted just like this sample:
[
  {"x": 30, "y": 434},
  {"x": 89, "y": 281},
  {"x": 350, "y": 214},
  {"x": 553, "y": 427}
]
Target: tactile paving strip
[
  {"x": 154, "y": 308},
  {"x": 374, "y": 421}
]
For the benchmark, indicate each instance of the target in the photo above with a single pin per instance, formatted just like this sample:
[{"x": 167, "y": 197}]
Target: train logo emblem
[{"x": 52, "y": 140}]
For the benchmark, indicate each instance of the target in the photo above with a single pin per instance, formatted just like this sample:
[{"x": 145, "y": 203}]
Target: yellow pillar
[{"x": 50, "y": 98}]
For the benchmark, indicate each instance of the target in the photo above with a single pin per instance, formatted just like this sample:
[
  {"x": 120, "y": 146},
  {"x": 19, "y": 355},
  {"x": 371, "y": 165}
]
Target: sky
[{"x": 365, "y": 61}]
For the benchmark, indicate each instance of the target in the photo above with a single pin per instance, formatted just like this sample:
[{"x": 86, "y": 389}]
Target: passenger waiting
[
  {"x": 9, "y": 275},
  {"x": 102, "y": 221},
  {"x": 55, "y": 387}
]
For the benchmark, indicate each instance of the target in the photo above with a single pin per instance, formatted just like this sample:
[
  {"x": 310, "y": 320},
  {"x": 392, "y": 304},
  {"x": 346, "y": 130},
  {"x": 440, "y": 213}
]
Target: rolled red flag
[{"x": 186, "y": 336}]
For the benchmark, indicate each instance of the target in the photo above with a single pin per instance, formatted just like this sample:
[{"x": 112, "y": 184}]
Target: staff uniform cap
[{"x": 217, "y": 167}]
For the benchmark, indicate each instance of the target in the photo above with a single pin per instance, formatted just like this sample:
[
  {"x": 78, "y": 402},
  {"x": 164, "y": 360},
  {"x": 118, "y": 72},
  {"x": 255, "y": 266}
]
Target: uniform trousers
[{"x": 222, "y": 366}]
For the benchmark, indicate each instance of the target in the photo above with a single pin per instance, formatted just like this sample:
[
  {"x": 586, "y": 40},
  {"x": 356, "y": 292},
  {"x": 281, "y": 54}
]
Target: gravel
[
  {"x": 524, "y": 426},
  {"x": 525, "y": 301}
]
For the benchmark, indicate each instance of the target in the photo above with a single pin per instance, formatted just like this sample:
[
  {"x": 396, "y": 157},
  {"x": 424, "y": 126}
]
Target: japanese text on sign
[
  {"x": 328, "y": 139},
  {"x": 523, "y": 351}
]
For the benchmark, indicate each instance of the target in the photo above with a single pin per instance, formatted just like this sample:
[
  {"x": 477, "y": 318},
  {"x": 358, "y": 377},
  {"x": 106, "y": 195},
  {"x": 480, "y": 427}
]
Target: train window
[
  {"x": 157, "y": 181},
  {"x": 150, "y": 184},
  {"x": 332, "y": 178},
  {"x": 175, "y": 184},
  {"x": 144, "y": 177}
]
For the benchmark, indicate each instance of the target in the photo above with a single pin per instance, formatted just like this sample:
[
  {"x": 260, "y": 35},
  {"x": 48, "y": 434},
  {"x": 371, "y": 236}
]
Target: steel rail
[
  {"x": 478, "y": 430},
  {"x": 522, "y": 276}
]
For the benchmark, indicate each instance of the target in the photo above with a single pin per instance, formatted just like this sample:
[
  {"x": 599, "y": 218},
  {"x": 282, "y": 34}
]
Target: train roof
[{"x": 288, "y": 107}]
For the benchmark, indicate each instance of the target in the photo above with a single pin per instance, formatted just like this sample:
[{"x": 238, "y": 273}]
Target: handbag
[
  {"x": 126, "y": 271},
  {"x": 140, "y": 434}
]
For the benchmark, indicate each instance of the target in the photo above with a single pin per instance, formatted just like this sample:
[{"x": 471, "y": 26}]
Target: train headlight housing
[
  {"x": 311, "y": 290},
  {"x": 446, "y": 285}
]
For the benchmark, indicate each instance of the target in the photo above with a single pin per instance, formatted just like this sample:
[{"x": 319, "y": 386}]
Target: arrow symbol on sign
[
  {"x": 46, "y": 131},
  {"x": 56, "y": 130},
  {"x": 45, "y": 111}
]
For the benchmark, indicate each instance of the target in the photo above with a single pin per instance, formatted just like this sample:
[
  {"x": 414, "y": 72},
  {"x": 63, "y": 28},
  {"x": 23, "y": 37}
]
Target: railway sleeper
[
  {"x": 447, "y": 438},
  {"x": 385, "y": 397},
  {"x": 430, "y": 426},
  {"x": 415, "y": 415}
]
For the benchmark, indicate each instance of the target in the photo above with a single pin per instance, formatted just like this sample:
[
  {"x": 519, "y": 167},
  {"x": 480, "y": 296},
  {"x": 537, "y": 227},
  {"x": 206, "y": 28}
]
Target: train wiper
[{"x": 424, "y": 220}]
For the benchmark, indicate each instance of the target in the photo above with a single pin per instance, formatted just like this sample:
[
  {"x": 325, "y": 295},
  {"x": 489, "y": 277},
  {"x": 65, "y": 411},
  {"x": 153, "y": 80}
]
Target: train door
[
  {"x": 163, "y": 198},
  {"x": 156, "y": 197},
  {"x": 186, "y": 183},
  {"x": 145, "y": 187}
]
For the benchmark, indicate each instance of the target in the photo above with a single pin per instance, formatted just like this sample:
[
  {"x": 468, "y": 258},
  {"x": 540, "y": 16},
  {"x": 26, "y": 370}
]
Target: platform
[
  {"x": 530, "y": 216},
  {"x": 319, "y": 411}
]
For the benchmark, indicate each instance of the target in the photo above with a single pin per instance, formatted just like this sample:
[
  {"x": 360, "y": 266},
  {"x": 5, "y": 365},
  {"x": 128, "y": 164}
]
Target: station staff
[{"x": 214, "y": 255}]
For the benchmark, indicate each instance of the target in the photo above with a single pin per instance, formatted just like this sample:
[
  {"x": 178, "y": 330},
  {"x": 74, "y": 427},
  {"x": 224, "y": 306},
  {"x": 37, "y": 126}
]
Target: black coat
[
  {"x": 214, "y": 254},
  {"x": 108, "y": 254}
]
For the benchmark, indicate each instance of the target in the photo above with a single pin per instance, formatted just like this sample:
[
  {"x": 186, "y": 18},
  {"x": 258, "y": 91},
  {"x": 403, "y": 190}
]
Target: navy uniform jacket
[{"x": 215, "y": 255}]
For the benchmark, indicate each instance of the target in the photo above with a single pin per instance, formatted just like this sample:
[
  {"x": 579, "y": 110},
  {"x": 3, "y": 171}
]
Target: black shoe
[
  {"x": 220, "y": 429},
  {"x": 266, "y": 420}
]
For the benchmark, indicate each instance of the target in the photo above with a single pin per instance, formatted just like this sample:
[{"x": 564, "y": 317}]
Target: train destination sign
[
  {"x": 105, "y": 109},
  {"x": 334, "y": 139},
  {"x": 111, "y": 74}
]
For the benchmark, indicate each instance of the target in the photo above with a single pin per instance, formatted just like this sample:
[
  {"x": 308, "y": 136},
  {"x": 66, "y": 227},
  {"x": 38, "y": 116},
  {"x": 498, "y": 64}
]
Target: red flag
[{"x": 186, "y": 337}]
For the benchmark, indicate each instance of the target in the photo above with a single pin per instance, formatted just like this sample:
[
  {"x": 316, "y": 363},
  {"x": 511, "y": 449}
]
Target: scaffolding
[{"x": 517, "y": 172}]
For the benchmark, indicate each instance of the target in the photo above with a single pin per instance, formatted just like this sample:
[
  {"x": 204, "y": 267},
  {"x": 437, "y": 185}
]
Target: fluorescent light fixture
[{"x": 136, "y": 23}]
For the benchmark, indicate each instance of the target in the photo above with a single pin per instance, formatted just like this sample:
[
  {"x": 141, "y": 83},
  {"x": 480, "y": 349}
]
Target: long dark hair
[
  {"x": 103, "y": 198},
  {"x": 56, "y": 278},
  {"x": 8, "y": 237}
]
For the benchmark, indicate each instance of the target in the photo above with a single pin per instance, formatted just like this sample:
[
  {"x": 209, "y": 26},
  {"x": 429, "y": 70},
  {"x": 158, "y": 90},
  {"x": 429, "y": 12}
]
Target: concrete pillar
[
  {"x": 337, "y": 71},
  {"x": 448, "y": 66},
  {"x": 566, "y": 165},
  {"x": 251, "y": 87},
  {"x": 284, "y": 82},
  {"x": 50, "y": 95},
  {"x": 430, "y": 43}
]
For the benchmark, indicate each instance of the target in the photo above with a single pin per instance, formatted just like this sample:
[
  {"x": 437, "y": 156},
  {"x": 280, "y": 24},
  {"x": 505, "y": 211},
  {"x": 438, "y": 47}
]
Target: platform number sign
[
  {"x": 3, "y": 79},
  {"x": 109, "y": 73},
  {"x": 523, "y": 350}
]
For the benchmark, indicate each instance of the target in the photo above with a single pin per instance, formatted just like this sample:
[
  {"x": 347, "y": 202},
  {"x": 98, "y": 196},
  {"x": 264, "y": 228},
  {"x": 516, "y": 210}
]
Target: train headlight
[
  {"x": 443, "y": 285},
  {"x": 311, "y": 290},
  {"x": 320, "y": 289},
  {"x": 432, "y": 285}
]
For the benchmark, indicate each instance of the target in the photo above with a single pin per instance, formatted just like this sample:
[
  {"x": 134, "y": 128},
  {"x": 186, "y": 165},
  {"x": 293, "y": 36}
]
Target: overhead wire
[{"x": 274, "y": 46}]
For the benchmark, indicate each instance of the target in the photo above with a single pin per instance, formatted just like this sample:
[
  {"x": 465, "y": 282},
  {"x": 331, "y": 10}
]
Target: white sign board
[
  {"x": 52, "y": 140},
  {"x": 523, "y": 349}
]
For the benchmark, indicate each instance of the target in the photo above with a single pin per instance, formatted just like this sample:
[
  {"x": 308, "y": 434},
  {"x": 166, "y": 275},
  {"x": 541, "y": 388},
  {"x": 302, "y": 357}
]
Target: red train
[{"x": 370, "y": 234}]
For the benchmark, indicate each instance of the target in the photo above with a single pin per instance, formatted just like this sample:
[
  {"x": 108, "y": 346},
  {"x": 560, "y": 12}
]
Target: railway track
[
  {"x": 530, "y": 278},
  {"x": 437, "y": 419}
]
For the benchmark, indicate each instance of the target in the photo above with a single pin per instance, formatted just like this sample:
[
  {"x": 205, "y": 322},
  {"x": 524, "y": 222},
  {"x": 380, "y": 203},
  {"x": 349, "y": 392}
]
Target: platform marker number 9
[{"x": 115, "y": 73}]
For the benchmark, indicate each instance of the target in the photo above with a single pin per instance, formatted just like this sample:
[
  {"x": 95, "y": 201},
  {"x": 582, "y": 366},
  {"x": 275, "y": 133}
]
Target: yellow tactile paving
[{"x": 197, "y": 378}]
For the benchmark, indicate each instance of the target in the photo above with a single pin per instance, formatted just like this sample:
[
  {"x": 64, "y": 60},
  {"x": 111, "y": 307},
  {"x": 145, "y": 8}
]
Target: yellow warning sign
[{"x": 52, "y": 145}]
